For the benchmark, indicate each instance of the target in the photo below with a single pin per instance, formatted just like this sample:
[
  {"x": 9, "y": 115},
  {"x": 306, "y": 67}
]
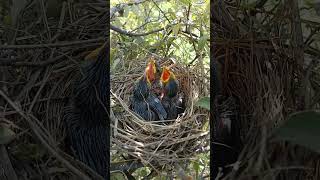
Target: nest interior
[{"x": 155, "y": 143}]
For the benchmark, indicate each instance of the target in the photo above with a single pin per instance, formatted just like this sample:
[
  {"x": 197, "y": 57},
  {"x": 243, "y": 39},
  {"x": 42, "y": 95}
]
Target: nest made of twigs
[{"x": 158, "y": 143}]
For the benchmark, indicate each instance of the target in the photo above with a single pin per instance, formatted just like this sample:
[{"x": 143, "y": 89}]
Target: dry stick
[
  {"x": 112, "y": 116},
  {"x": 49, "y": 148},
  {"x": 298, "y": 51},
  {"x": 279, "y": 169},
  {"x": 262, "y": 148},
  {"x": 29, "y": 85},
  {"x": 49, "y": 45},
  {"x": 44, "y": 81},
  {"x": 128, "y": 110},
  {"x": 7, "y": 171},
  {"x": 34, "y": 64},
  {"x": 45, "y": 19},
  {"x": 61, "y": 20},
  {"x": 81, "y": 164}
]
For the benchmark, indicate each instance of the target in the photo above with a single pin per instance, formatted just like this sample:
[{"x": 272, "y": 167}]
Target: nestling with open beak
[
  {"x": 144, "y": 102},
  {"x": 170, "y": 100}
]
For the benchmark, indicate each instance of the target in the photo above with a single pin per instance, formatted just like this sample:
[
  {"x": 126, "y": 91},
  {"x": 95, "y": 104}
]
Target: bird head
[
  {"x": 151, "y": 71},
  {"x": 166, "y": 76}
]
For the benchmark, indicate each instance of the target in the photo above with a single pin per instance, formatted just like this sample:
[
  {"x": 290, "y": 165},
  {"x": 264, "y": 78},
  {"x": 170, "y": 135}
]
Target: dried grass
[{"x": 39, "y": 61}]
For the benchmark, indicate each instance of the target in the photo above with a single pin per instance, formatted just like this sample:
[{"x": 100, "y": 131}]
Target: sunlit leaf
[
  {"x": 186, "y": 2},
  {"x": 176, "y": 29},
  {"x": 126, "y": 11},
  {"x": 302, "y": 128},
  {"x": 117, "y": 22},
  {"x": 172, "y": 14},
  {"x": 170, "y": 40}
]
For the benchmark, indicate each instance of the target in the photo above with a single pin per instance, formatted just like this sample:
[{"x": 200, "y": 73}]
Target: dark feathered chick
[
  {"x": 86, "y": 117},
  {"x": 171, "y": 101},
  {"x": 143, "y": 101}
]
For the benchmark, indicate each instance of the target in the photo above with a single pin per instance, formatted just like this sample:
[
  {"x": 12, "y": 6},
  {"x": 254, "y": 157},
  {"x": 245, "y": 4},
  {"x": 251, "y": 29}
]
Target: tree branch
[{"x": 124, "y": 32}]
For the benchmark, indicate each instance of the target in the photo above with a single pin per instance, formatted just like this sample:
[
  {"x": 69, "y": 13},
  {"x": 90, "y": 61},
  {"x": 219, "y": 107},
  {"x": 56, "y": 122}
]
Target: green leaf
[
  {"x": 126, "y": 11},
  {"x": 175, "y": 45},
  {"x": 117, "y": 176},
  {"x": 6, "y": 135},
  {"x": 172, "y": 14},
  {"x": 196, "y": 167},
  {"x": 301, "y": 128},
  {"x": 170, "y": 40},
  {"x": 204, "y": 102},
  {"x": 186, "y": 2},
  {"x": 139, "y": 40},
  {"x": 202, "y": 42},
  {"x": 176, "y": 29},
  {"x": 117, "y": 22}
]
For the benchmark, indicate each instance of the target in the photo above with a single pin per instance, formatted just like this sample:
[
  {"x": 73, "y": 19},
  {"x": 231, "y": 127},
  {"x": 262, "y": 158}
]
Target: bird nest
[{"x": 159, "y": 143}]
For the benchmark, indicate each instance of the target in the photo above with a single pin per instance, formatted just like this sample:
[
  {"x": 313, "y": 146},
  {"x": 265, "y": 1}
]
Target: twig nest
[{"x": 156, "y": 143}]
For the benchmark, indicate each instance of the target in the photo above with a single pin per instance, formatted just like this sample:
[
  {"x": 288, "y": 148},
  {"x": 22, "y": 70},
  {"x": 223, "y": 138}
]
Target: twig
[
  {"x": 49, "y": 45},
  {"x": 45, "y": 19},
  {"x": 44, "y": 81},
  {"x": 164, "y": 14},
  {"x": 37, "y": 131},
  {"x": 121, "y": 31},
  {"x": 33, "y": 64},
  {"x": 141, "y": 26},
  {"x": 6, "y": 170},
  {"x": 120, "y": 7}
]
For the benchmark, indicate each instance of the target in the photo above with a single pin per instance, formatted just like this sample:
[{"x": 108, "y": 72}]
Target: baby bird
[
  {"x": 143, "y": 101},
  {"x": 170, "y": 100}
]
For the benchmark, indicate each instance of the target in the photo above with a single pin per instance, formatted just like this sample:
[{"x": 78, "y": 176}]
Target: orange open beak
[
  {"x": 165, "y": 75},
  {"x": 151, "y": 71}
]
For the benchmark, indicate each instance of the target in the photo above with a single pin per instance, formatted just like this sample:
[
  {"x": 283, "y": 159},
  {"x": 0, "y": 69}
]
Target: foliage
[
  {"x": 178, "y": 18},
  {"x": 204, "y": 103},
  {"x": 302, "y": 128},
  {"x": 181, "y": 33}
]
